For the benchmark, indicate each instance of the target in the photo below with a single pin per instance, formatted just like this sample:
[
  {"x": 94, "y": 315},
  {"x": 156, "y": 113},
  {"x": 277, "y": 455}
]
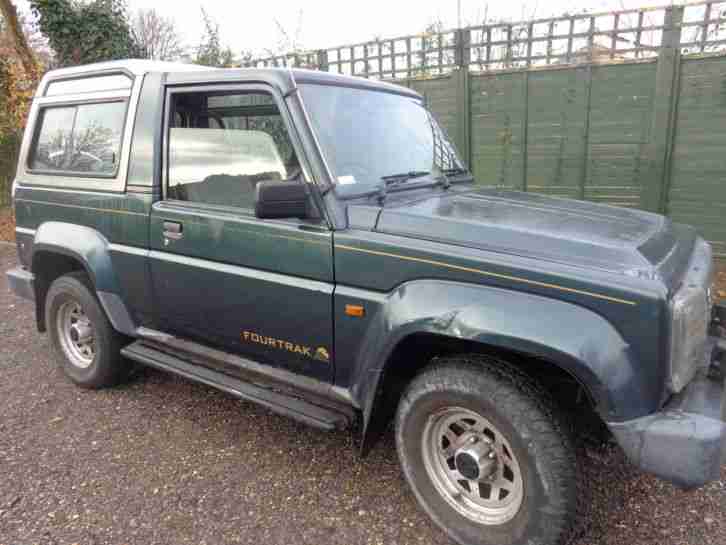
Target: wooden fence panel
[
  {"x": 498, "y": 112},
  {"x": 697, "y": 188},
  {"x": 557, "y": 131},
  {"x": 621, "y": 105},
  {"x": 441, "y": 98},
  {"x": 625, "y": 107}
]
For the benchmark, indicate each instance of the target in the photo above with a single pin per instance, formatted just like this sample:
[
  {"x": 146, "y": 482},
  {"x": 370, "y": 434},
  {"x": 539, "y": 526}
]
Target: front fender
[
  {"x": 91, "y": 249},
  {"x": 576, "y": 339}
]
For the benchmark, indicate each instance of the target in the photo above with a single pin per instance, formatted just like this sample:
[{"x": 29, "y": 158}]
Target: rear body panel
[{"x": 121, "y": 219}]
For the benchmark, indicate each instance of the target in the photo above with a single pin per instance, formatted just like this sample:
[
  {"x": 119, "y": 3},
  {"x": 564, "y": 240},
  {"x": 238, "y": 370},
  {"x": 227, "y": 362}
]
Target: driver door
[{"x": 261, "y": 289}]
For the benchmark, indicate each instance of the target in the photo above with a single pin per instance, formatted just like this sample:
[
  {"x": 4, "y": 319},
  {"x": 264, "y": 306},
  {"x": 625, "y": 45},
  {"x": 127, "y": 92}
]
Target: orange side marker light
[{"x": 355, "y": 310}]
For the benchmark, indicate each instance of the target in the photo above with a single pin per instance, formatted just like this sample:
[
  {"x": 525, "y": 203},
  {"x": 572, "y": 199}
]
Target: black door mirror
[{"x": 281, "y": 199}]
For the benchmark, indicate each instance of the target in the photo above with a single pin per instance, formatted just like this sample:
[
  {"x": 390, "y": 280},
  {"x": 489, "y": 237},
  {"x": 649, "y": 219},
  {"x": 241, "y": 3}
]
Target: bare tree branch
[{"x": 156, "y": 35}]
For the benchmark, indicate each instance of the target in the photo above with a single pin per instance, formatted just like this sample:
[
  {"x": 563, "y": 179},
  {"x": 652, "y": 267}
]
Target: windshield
[{"x": 367, "y": 136}]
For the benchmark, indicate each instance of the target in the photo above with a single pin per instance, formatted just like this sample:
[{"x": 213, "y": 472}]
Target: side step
[{"x": 293, "y": 407}]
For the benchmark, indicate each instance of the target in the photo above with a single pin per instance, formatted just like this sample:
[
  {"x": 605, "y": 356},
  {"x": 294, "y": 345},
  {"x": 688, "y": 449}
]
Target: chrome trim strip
[
  {"x": 358, "y": 293},
  {"x": 238, "y": 270},
  {"x": 25, "y": 231},
  {"x": 79, "y": 191},
  {"x": 133, "y": 250}
]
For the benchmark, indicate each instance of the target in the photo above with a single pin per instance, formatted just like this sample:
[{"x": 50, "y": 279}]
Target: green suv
[{"x": 313, "y": 243}]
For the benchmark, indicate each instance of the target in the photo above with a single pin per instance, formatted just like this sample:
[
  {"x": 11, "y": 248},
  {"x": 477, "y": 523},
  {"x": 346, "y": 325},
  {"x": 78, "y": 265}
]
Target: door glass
[
  {"x": 79, "y": 139},
  {"x": 97, "y": 137},
  {"x": 53, "y": 139},
  {"x": 222, "y": 144}
]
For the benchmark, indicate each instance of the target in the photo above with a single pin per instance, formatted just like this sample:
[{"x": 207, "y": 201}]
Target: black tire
[
  {"x": 525, "y": 417},
  {"x": 107, "y": 367}
]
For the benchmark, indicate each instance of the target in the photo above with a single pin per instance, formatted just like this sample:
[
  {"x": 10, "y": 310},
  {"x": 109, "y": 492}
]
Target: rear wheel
[
  {"x": 486, "y": 455},
  {"x": 86, "y": 346}
]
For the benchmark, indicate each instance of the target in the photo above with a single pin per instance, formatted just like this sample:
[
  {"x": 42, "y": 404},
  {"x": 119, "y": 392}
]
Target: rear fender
[{"x": 91, "y": 249}]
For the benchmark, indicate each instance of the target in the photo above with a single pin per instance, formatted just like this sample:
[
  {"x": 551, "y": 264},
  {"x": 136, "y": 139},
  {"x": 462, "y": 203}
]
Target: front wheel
[{"x": 485, "y": 454}]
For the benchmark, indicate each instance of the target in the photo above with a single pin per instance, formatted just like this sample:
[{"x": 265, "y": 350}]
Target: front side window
[
  {"x": 370, "y": 136},
  {"x": 221, "y": 144},
  {"x": 84, "y": 139}
]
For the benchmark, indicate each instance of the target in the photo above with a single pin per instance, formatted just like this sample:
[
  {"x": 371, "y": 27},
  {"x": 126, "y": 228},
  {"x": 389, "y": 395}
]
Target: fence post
[
  {"x": 662, "y": 118},
  {"x": 323, "y": 60},
  {"x": 463, "y": 94},
  {"x": 463, "y": 51}
]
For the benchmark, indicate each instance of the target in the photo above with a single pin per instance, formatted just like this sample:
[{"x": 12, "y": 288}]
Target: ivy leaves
[{"x": 82, "y": 33}]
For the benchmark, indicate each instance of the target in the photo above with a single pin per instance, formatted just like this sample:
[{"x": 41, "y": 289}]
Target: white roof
[{"x": 135, "y": 66}]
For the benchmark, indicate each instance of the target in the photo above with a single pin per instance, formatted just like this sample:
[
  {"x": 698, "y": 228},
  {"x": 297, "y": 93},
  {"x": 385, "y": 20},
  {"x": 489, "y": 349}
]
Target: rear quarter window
[{"x": 81, "y": 139}]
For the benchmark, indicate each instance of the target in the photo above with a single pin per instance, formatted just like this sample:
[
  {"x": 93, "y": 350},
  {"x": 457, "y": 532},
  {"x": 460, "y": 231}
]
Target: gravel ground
[{"x": 165, "y": 461}]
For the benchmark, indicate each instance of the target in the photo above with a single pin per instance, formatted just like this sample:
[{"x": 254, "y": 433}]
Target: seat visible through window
[{"x": 221, "y": 146}]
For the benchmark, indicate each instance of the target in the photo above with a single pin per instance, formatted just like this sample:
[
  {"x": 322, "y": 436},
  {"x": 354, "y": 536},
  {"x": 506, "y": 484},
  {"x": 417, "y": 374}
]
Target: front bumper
[
  {"x": 684, "y": 443},
  {"x": 21, "y": 282}
]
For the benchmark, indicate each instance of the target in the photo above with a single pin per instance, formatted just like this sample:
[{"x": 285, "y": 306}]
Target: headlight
[
  {"x": 690, "y": 314},
  {"x": 690, "y": 318}
]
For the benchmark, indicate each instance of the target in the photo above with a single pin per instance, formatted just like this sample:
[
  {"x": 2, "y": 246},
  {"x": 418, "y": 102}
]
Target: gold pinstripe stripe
[
  {"x": 185, "y": 220},
  {"x": 111, "y": 210},
  {"x": 488, "y": 273},
  {"x": 385, "y": 254}
]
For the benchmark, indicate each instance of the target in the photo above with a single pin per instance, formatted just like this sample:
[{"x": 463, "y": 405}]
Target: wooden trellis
[{"x": 625, "y": 35}]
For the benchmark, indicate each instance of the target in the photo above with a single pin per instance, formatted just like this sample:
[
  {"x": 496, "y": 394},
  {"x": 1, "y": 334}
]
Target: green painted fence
[
  {"x": 626, "y": 108},
  {"x": 598, "y": 132}
]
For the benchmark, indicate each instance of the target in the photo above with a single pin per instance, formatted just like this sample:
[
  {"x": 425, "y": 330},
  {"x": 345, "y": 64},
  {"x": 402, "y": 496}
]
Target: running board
[{"x": 281, "y": 403}]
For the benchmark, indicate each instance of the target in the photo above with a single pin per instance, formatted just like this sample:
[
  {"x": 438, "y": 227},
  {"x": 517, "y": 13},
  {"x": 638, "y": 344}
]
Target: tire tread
[
  {"x": 523, "y": 401},
  {"x": 110, "y": 370}
]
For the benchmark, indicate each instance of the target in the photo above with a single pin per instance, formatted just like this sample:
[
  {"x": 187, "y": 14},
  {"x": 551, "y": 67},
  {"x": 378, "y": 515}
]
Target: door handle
[{"x": 173, "y": 229}]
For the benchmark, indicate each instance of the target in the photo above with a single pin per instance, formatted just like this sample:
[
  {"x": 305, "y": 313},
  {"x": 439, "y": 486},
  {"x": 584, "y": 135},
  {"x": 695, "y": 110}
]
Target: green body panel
[
  {"x": 231, "y": 273},
  {"x": 407, "y": 286},
  {"x": 494, "y": 317},
  {"x": 121, "y": 218},
  {"x": 566, "y": 282},
  {"x": 117, "y": 219}
]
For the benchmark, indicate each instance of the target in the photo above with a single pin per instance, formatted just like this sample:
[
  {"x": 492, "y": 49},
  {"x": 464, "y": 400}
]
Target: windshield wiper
[
  {"x": 393, "y": 179},
  {"x": 454, "y": 171},
  {"x": 447, "y": 172}
]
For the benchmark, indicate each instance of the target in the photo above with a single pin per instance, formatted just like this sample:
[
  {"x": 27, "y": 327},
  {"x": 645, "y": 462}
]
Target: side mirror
[{"x": 281, "y": 199}]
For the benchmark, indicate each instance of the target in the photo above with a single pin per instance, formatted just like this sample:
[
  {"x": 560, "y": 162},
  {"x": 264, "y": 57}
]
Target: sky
[{"x": 253, "y": 25}]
